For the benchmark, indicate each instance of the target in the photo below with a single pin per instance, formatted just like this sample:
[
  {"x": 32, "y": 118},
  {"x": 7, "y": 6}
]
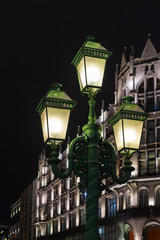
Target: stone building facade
[{"x": 138, "y": 201}]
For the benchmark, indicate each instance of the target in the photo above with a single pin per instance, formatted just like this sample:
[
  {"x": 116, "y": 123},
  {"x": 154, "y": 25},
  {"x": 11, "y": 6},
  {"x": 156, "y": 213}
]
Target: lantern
[
  {"x": 54, "y": 110},
  {"x": 127, "y": 125},
  {"x": 90, "y": 63}
]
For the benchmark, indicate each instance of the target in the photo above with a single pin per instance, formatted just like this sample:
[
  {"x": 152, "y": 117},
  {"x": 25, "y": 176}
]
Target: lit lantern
[
  {"x": 54, "y": 109},
  {"x": 90, "y": 63},
  {"x": 127, "y": 125}
]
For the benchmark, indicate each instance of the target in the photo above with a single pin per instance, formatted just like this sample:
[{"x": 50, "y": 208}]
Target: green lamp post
[{"x": 91, "y": 157}]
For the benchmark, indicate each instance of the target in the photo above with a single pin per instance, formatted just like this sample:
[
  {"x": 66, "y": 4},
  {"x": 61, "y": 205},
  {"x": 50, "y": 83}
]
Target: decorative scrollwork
[
  {"x": 106, "y": 159},
  {"x": 79, "y": 154}
]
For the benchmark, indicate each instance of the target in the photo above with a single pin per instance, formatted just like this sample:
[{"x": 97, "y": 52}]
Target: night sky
[{"x": 38, "y": 41}]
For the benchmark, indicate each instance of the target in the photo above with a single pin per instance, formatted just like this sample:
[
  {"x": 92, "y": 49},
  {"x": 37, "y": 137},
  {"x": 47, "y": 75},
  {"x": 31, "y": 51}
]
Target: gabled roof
[{"x": 149, "y": 51}]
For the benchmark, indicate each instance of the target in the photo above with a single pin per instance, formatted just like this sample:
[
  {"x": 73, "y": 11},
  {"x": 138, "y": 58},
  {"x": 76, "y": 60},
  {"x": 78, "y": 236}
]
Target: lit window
[
  {"x": 63, "y": 223},
  {"x": 44, "y": 198},
  {"x": 83, "y": 216},
  {"x": 150, "y": 131},
  {"x": 112, "y": 206},
  {"x": 143, "y": 198},
  {"x": 121, "y": 202},
  {"x": 151, "y": 162},
  {"x": 128, "y": 199}
]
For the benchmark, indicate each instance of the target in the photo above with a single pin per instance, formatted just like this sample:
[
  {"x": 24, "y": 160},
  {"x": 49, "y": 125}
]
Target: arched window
[
  {"x": 143, "y": 198},
  {"x": 150, "y": 84},
  {"x": 130, "y": 235},
  {"x": 152, "y": 233},
  {"x": 158, "y": 197}
]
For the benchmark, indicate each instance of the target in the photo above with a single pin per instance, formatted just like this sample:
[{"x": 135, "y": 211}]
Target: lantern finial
[
  {"x": 128, "y": 99},
  {"x": 90, "y": 38},
  {"x": 56, "y": 86}
]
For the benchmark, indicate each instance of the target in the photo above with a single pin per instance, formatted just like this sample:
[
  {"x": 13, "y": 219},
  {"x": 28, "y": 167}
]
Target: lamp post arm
[
  {"x": 127, "y": 169},
  {"x": 54, "y": 161}
]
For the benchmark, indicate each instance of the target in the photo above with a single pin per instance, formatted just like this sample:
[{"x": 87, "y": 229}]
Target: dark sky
[{"x": 38, "y": 41}]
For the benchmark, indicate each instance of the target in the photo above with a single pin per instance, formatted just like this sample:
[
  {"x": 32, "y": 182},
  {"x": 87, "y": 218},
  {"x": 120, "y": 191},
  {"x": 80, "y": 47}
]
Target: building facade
[
  {"x": 138, "y": 201},
  {"x": 14, "y": 231},
  {"x": 27, "y": 213}
]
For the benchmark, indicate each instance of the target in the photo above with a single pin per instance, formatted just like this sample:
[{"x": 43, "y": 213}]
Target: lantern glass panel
[
  {"x": 54, "y": 123},
  {"x": 118, "y": 133},
  {"x": 58, "y": 122},
  {"x": 95, "y": 71},
  {"x": 128, "y": 133},
  {"x": 44, "y": 124},
  {"x": 81, "y": 74},
  {"x": 90, "y": 72},
  {"x": 132, "y": 133}
]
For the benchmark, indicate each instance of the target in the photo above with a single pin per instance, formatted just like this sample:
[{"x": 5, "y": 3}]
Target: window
[
  {"x": 63, "y": 223},
  {"x": 55, "y": 205},
  {"x": 146, "y": 69},
  {"x": 158, "y": 135},
  {"x": 112, "y": 232},
  {"x": 83, "y": 216},
  {"x": 102, "y": 232},
  {"x": 143, "y": 198},
  {"x": 141, "y": 88},
  {"x": 150, "y": 131},
  {"x": 152, "y": 68},
  {"x": 55, "y": 226},
  {"x": 150, "y": 84},
  {"x": 72, "y": 199},
  {"x": 72, "y": 220},
  {"x": 121, "y": 202},
  {"x": 109, "y": 232},
  {"x": 158, "y": 84},
  {"x": 151, "y": 162},
  {"x": 63, "y": 204},
  {"x": 128, "y": 199},
  {"x": 99, "y": 211},
  {"x": 157, "y": 108},
  {"x": 112, "y": 206},
  {"x": 150, "y": 104},
  {"x": 49, "y": 228},
  {"x": 142, "y": 167},
  {"x": 152, "y": 233},
  {"x": 158, "y": 197}
]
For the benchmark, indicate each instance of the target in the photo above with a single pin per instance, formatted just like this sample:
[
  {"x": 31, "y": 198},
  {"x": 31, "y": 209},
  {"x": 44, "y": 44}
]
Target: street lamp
[
  {"x": 127, "y": 125},
  {"x": 90, "y": 63},
  {"x": 91, "y": 157},
  {"x": 54, "y": 109}
]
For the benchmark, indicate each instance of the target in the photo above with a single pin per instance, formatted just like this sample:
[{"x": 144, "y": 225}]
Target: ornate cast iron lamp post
[{"x": 91, "y": 157}]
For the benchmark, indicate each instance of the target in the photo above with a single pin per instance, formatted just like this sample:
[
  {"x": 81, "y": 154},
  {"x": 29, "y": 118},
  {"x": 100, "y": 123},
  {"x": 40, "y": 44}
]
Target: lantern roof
[
  {"x": 91, "y": 48},
  {"x": 128, "y": 110},
  {"x": 57, "y": 98}
]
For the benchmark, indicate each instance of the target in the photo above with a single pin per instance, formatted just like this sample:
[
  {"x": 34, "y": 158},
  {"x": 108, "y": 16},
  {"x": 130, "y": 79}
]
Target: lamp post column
[{"x": 93, "y": 132}]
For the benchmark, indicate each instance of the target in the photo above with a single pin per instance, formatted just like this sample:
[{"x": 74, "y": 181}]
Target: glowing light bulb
[
  {"x": 55, "y": 125},
  {"x": 93, "y": 75},
  {"x": 130, "y": 136}
]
